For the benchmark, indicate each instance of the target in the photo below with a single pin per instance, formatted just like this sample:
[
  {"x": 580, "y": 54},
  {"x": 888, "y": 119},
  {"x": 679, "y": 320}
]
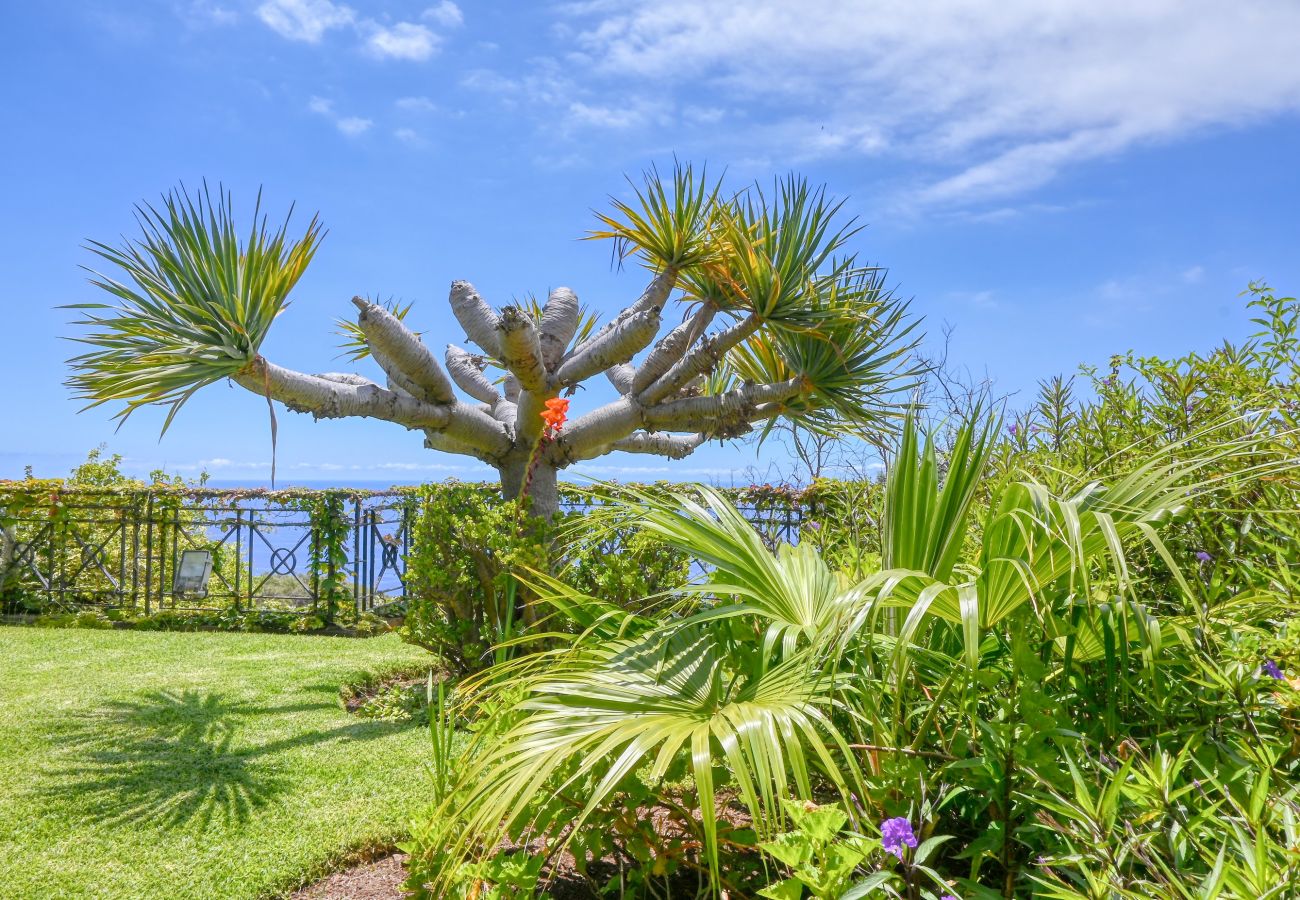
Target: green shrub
[{"x": 474, "y": 558}]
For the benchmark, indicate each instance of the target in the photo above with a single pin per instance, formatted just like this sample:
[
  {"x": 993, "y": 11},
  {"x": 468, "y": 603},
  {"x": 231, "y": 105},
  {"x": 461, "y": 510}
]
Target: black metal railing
[{"x": 305, "y": 551}]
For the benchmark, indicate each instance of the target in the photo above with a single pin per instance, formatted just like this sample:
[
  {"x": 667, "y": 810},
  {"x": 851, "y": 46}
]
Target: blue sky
[{"x": 1056, "y": 181}]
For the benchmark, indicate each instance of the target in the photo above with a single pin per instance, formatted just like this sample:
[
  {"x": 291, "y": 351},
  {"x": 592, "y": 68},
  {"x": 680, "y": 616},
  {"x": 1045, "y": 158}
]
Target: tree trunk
[
  {"x": 543, "y": 486},
  {"x": 544, "y": 490}
]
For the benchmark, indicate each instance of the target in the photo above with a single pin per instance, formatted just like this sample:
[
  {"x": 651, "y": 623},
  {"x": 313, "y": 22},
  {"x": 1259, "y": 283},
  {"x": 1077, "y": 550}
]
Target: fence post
[{"x": 148, "y": 551}]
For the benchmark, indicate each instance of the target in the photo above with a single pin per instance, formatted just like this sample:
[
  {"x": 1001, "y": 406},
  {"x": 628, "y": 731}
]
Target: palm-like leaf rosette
[{"x": 195, "y": 300}]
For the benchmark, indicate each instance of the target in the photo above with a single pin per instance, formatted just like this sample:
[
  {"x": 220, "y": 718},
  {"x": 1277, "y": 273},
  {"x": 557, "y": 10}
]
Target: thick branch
[
  {"x": 706, "y": 355},
  {"x": 397, "y": 380},
  {"x": 528, "y": 416},
  {"x": 521, "y": 352},
  {"x": 326, "y": 399},
  {"x": 618, "y": 345},
  {"x": 436, "y": 440},
  {"x": 671, "y": 348},
  {"x": 673, "y": 446},
  {"x": 389, "y": 337},
  {"x": 559, "y": 324},
  {"x": 654, "y": 296},
  {"x": 505, "y": 411},
  {"x": 732, "y": 407},
  {"x": 347, "y": 378},
  {"x": 466, "y": 369},
  {"x": 621, "y": 377},
  {"x": 479, "y": 320},
  {"x": 598, "y": 428}
]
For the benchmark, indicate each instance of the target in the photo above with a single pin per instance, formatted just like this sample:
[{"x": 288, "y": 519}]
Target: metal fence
[
  {"x": 117, "y": 549},
  {"x": 113, "y": 548}
]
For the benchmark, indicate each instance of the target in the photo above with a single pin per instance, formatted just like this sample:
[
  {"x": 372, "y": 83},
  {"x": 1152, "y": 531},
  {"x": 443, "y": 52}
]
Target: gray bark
[
  {"x": 672, "y": 446},
  {"x": 734, "y": 406},
  {"x": 558, "y": 326},
  {"x": 621, "y": 377},
  {"x": 521, "y": 351},
  {"x": 479, "y": 320},
  {"x": 401, "y": 348},
  {"x": 466, "y": 370},
  {"x": 326, "y": 399},
  {"x": 670, "y": 349},
  {"x": 705, "y": 356},
  {"x": 654, "y": 296},
  {"x": 616, "y": 346}
]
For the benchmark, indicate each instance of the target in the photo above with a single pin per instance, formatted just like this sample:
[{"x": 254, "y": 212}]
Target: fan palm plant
[{"x": 763, "y": 667}]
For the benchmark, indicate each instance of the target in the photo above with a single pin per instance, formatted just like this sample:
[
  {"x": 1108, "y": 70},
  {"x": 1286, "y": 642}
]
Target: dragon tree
[{"x": 754, "y": 312}]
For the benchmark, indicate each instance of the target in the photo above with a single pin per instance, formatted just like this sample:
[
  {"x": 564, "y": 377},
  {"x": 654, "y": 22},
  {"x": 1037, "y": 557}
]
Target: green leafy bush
[
  {"x": 474, "y": 558},
  {"x": 1033, "y": 668}
]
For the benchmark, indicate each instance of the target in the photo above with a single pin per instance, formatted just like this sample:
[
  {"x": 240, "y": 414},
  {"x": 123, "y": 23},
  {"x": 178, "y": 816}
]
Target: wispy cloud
[
  {"x": 310, "y": 20},
  {"x": 304, "y": 20},
  {"x": 415, "y": 104},
  {"x": 410, "y": 136},
  {"x": 993, "y": 99},
  {"x": 405, "y": 40},
  {"x": 446, "y": 14},
  {"x": 199, "y": 13},
  {"x": 352, "y": 126}
]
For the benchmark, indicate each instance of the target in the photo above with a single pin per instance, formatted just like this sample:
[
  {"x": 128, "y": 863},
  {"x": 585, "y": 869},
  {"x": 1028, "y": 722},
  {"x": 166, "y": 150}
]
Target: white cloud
[
  {"x": 998, "y": 98},
  {"x": 204, "y": 12},
  {"x": 1194, "y": 274},
  {"x": 415, "y": 104},
  {"x": 310, "y": 20},
  {"x": 405, "y": 40},
  {"x": 615, "y": 116},
  {"x": 410, "y": 137},
  {"x": 353, "y": 125},
  {"x": 304, "y": 20},
  {"x": 446, "y": 14}
]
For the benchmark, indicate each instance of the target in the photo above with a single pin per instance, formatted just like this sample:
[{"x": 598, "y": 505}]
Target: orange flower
[{"x": 556, "y": 412}]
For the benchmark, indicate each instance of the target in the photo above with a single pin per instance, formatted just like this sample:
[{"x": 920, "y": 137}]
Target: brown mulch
[
  {"x": 382, "y": 879},
  {"x": 378, "y": 880}
]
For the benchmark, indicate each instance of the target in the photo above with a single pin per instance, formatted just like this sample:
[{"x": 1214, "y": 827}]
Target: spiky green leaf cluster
[
  {"x": 194, "y": 301},
  {"x": 856, "y": 360},
  {"x": 670, "y": 225},
  {"x": 776, "y": 257}
]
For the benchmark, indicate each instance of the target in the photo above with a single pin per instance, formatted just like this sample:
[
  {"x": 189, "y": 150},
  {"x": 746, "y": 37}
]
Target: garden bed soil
[
  {"x": 382, "y": 879},
  {"x": 379, "y": 879}
]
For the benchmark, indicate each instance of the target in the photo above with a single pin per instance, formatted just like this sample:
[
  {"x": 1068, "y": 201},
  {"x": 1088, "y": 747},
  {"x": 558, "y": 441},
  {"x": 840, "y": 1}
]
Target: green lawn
[{"x": 136, "y": 764}]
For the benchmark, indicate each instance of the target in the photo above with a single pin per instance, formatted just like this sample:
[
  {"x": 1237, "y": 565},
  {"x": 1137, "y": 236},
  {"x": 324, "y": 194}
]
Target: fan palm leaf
[{"x": 637, "y": 708}]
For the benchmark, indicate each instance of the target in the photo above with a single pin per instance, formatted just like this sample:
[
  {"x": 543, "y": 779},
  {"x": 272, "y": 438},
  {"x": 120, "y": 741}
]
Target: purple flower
[
  {"x": 947, "y": 897},
  {"x": 895, "y": 834},
  {"x": 1013, "y": 429},
  {"x": 1203, "y": 556},
  {"x": 1272, "y": 671}
]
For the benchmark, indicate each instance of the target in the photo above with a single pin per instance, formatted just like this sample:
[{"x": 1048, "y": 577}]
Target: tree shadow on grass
[{"x": 173, "y": 759}]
